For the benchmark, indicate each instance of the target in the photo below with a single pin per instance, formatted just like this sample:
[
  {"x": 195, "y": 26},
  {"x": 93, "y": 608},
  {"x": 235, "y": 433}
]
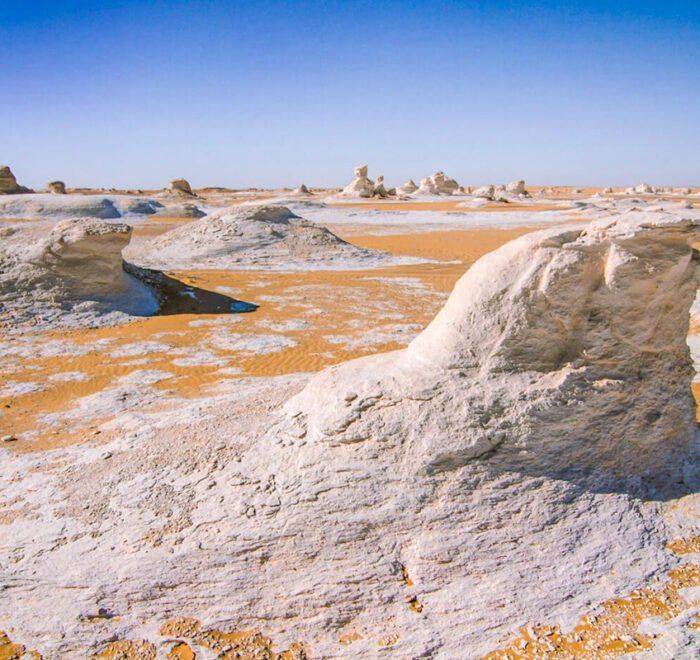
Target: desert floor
[{"x": 60, "y": 387}]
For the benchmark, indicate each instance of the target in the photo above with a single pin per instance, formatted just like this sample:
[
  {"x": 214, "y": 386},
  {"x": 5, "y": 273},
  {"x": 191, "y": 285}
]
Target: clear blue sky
[{"x": 267, "y": 93}]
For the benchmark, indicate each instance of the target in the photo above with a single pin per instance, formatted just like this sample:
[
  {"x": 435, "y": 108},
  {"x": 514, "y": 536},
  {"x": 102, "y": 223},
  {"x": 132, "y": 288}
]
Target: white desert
[{"x": 411, "y": 421}]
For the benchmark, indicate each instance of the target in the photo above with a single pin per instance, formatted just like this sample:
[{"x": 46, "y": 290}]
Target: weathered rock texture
[
  {"x": 8, "y": 182},
  {"x": 45, "y": 277},
  {"x": 503, "y": 469},
  {"x": 568, "y": 333},
  {"x": 251, "y": 237}
]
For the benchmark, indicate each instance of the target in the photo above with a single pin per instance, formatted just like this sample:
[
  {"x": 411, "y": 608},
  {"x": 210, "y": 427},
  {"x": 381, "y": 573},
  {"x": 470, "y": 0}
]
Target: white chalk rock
[
  {"x": 484, "y": 192},
  {"x": 533, "y": 327},
  {"x": 508, "y": 467},
  {"x": 436, "y": 184},
  {"x": 362, "y": 186},
  {"x": 516, "y": 188},
  {"x": 407, "y": 188},
  {"x": 250, "y": 237},
  {"x": 51, "y": 278},
  {"x": 301, "y": 190}
]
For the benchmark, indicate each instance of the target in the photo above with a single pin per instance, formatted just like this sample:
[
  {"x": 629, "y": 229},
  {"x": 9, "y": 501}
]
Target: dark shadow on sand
[{"x": 175, "y": 297}]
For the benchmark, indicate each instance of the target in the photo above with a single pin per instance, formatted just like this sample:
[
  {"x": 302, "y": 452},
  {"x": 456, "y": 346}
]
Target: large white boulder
[{"x": 595, "y": 316}]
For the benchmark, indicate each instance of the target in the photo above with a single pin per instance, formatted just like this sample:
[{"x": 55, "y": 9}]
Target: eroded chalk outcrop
[
  {"x": 508, "y": 467},
  {"x": 568, "y": 334},
  {"x": 265, "y": 236},
  {"x": 69, "y": 274}
]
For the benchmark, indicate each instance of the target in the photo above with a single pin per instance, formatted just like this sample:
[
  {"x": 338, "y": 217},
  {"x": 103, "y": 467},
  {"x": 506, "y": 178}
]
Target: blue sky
[{"x": 275, "y": 93}]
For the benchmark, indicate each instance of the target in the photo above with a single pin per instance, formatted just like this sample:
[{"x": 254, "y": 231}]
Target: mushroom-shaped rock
[
  {"x": 180, "y": 186},
  {"x": 56, "y": 187},
  {"x": 362, "y": 186},
  {"x": 379, "y": 189}
]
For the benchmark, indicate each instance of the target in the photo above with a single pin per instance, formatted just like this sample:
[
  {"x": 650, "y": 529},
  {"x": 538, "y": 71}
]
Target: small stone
[{"x": 9, "y": 438}]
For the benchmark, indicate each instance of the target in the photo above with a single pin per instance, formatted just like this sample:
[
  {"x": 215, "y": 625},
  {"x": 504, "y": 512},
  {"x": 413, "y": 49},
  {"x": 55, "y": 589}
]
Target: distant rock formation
[
  {"x": 407, "y": 188},
  {"x": 56, "y": 187},
  {"x": 379, "y": 189},
  {"x": 436, "y": 184},
  {"x": 362, "y": 186},
  {"x": 607, "y": 191},
  {"x": 8, "y": 182},
  {"x": 301, "y": 190},
  {"x": 640, "y": 189},
  {"x": 483, "y": 192},
  {"x": 180, "y": 186},
  {"x": 516, "y": 188}
]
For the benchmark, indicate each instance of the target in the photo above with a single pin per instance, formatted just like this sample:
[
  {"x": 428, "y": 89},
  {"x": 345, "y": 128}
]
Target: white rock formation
[
  {"x": 537, "y": 323},
  {"x": 251, "y": 237},
  {"x": 607, "y": 191},
  {"x": 516, "y": 188},
  {"x": 379, "y": 189},
  {"x": 483, "y": 192},
  {"x": 501, "y": 470},
  {"x": 407, "y": 188},
  {"x": 436, "y": 184},
  {"x": 301, "y": 190},
  {"x": 71, "y": 275},
  {"x": 180, "y": 186},
  {"x": 56, "y": 187},
  {"x": 362, "y": 186},
  {"x": 8, "y": 182}
]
